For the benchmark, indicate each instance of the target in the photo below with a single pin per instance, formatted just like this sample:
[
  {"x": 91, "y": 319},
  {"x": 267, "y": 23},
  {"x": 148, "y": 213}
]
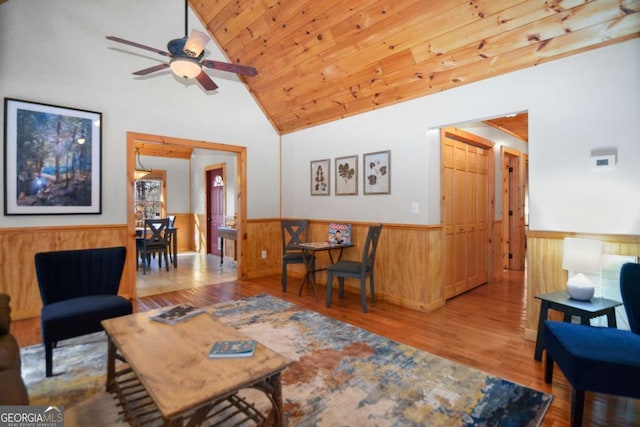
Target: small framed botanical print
[
  {"x": 377, "y": 172},
  {"x": 346, "y": 180},
  {"x": 320, "y": 177}
]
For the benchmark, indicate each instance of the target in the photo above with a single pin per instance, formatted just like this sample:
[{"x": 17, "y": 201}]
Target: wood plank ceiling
[
  {"x": 515, "y": 125},
  {"x": 321, "y": 60}
]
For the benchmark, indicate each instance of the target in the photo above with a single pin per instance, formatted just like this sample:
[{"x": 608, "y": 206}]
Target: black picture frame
[{"x": 52, "y": 159}]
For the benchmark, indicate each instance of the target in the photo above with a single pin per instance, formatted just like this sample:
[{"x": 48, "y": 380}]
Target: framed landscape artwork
[
  {"x": 346, "y": 175},
  {"x": 52, "y": 159},
  {"x": 377, "y": 172},
  {"x": 320, "y": 177}
]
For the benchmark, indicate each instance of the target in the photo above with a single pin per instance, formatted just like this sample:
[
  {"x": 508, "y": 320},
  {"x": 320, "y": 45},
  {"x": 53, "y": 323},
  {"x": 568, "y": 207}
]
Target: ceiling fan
[{"x": 186, "y": 57}]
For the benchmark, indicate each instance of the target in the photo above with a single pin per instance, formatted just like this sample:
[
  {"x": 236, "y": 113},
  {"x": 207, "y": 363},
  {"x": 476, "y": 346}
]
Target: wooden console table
[{"x": 231, "y": 234}]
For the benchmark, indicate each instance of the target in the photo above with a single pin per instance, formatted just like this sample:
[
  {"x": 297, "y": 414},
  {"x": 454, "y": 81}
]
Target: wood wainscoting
[
  {"x": 185, "y": 224},
  {"x": 408, "y": 269},
  {"x": 409, "y": 261},
  {"x": 496, "y": 268},
  {"x": 19, "y": 246},
  {"x": 544, "y": 265}
]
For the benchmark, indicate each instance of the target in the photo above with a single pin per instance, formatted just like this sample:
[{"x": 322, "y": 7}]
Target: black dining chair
[
  {"x": 357, "y": 269},
  {"x": 155, "y": 240},
  {"x": 170, "y": 236},
  {"x": 294, "y": 232}
]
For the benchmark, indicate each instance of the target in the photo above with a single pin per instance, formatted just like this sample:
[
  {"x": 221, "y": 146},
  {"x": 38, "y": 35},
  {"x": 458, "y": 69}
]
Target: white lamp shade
[
  {"x": 195, "y": 43},
  {"x": 582, "y": 255}
]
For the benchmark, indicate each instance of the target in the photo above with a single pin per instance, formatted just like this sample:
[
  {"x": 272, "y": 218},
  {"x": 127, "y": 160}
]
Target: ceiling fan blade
[
  {"x": 205, "y": 81},
  {"x": 245, "y": 70},
  {"x": 141, "y": 46},
  {"x": 152, "y": 69}
]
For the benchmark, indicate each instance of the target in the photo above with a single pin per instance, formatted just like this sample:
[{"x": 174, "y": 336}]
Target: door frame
[
  {"x": 513, "y": 241},
  {"x": 241, "y": 193}
]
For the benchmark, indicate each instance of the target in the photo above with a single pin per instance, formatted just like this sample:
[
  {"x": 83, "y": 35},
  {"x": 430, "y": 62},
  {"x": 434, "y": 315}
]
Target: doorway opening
[
  {"x": 194, "y": 223},
  {"x": 513, "y": 209},
  {"x": 509, "y": 137}
]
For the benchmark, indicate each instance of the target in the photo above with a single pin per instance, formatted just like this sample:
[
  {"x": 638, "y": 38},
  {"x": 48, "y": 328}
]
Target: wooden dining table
[{"x": 310, "y": 250}]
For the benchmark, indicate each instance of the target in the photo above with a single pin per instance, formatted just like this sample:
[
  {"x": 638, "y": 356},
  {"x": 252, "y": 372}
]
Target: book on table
[
  {"x": 340, "y": 234},
  {"x": 176, "y": 314},
  {"x": 314, "y": 245},
  {"x": 232, "y": 349}
]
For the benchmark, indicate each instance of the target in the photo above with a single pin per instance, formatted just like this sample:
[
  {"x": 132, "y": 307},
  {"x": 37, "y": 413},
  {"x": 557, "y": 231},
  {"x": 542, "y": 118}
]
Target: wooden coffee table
[{"x": 168, "y": 379}]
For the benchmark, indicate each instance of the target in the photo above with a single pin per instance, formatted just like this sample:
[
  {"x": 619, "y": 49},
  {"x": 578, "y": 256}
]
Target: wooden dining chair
[
  {"x": 170, "y": 237},
  {"x": 357, "y": 269},
  {"x": 294, "y": 232},
  {"x": 155, "y": 241}
]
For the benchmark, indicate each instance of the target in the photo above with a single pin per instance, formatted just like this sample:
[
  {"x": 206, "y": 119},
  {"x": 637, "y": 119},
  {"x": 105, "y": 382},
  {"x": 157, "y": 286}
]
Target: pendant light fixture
[{"x": 140, "y": 171}]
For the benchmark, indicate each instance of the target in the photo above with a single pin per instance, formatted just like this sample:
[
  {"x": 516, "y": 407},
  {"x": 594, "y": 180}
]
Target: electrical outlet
[{"x": 264, "y": 254}]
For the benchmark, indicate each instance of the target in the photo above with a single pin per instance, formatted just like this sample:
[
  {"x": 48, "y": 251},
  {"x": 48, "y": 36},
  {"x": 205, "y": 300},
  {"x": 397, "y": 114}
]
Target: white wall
[
  {"x": 55, "y": 52},
  {"x": 178, "y": 186},
  {"x": 575, "y": 105}
]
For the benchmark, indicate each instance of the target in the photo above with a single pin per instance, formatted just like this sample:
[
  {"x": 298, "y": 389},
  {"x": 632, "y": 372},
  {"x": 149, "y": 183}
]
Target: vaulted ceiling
[{"x": 321, "y": 60}]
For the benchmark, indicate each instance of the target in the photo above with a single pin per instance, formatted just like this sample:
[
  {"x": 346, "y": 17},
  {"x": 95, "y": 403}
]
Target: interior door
[
  {"x": 513, "y": 234},
  {"x": 466, "y": 196},
  {"x": 215, "y": 208}
]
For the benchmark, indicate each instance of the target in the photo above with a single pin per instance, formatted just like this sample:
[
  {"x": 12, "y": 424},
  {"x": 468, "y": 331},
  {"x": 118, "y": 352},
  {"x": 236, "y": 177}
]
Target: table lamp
[{"x": 580, "y": 256}]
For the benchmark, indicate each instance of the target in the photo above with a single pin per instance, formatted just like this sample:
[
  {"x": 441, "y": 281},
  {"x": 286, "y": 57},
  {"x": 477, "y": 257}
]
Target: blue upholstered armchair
[
  {"x": 596, "y": 359},
  {"x": 79, "y": 289}
]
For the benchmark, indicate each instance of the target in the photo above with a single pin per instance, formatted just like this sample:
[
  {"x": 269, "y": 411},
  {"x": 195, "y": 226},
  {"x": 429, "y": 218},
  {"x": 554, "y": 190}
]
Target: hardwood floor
[{"x": 482, "y": 328}]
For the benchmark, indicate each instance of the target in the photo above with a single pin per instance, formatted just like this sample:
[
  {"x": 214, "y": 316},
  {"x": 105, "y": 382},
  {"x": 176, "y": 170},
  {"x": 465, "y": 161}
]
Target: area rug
[{"x": 340, "y": 375}]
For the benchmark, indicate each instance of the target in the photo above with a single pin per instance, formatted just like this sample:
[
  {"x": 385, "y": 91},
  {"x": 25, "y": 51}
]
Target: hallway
[{"x": 194, "y": 270}]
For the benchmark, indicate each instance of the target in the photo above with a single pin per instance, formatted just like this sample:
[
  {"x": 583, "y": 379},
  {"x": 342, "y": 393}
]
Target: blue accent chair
[
  {"x": 598, "y": 359},
  {"x": 79, "y": 289}
]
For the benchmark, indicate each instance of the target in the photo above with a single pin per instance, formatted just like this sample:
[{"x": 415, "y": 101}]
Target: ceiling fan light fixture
[
  {"x": 195, "y": 43},
  {"x": 187, "y": 68}
]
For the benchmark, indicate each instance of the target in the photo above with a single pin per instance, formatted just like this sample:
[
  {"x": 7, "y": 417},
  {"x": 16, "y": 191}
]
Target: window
[{"x": 149, "y": 197}]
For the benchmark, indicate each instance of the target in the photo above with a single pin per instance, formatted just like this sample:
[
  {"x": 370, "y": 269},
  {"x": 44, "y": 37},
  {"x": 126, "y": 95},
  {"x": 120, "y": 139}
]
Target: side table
[
  {"x": 310, "y": 249},
  {"x": 585, "y": 310},
  {"x": 231, "y": 234}
]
